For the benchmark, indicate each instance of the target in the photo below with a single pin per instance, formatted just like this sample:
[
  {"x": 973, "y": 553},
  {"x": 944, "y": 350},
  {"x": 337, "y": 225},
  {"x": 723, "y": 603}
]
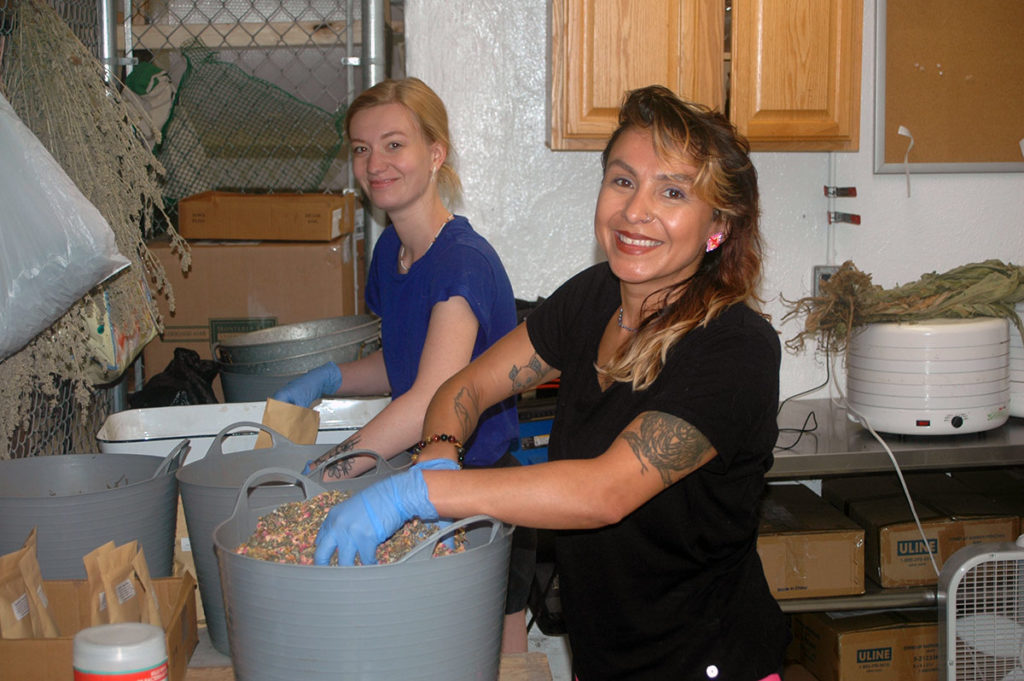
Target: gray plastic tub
[
  {"x": 434, "y": 619},
  {"x": 292, "y": 340},
  {"x": 78, "y": 502},
  {"x": 209, "y": 489}
]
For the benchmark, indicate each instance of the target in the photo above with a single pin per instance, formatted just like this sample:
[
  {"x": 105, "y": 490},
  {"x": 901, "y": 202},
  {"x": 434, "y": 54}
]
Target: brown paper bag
[
  {"x": 97, "y": 593},
  {"x": 121, "y": 584},
  {"x": 43, "y": 624},
  {"x": 15, "y": 607},
  {"x": 149, "y": 602},
  {"x": 298, "y": 424}
]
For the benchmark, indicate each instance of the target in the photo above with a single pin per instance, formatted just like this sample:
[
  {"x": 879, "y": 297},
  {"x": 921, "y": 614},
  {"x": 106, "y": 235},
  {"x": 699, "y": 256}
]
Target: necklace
[
  {"x": 623, "y": 326},
  {"x": 402, "y": 267}
]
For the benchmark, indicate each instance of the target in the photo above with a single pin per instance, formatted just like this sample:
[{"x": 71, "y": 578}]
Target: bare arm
[
  {"x": 507, "y": 368},
  {"x": 365, "y": 376},
  {"x": 652, "y": 453},
  {"x": 451, "y": 335}
]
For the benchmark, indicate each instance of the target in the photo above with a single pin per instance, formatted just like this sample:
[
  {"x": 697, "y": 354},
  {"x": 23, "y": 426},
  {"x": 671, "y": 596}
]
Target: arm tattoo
[
  {"x": 667, "y": 443},
  {"x": 466, "y": 409},
  {"x": 343, "y": 468},
  {"x": 524, "y": 377}
]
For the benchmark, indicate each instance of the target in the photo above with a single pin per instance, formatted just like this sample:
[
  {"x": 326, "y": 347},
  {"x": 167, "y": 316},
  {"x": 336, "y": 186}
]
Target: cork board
[{"x": 951, "y": 75}]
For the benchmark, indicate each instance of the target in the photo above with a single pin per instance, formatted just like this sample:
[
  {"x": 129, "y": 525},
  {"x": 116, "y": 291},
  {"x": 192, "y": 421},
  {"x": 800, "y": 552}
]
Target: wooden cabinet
[
  {"x": 602, "y": 48},
  {"x": 796, "y": 73},
  {"x": 793, "y": 71}
]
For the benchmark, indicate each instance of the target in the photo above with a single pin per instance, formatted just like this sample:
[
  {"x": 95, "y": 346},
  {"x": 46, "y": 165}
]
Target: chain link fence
[
  {"x": 260, "y": 89},
  {"x": 266, "y": 84}
]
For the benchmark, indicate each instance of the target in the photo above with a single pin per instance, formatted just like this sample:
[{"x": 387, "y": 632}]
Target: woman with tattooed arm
[{"x": 664, "y": 425}]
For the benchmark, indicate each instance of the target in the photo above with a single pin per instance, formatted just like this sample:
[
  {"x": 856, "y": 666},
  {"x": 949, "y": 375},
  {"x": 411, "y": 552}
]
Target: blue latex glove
[
  {"x": 304, "y": 390},
  {"x": 366, "y": 519}
]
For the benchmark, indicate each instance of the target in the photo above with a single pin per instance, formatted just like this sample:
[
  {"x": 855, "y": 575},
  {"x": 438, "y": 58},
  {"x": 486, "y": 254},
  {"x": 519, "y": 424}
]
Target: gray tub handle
[
  {"x": 172, "y": 462},
  {"x": 274, "y": 474},
  {"x": 379, "y": 466},
  {"x": 421, "y": 552},
  {"x": 216, "y": 447}
]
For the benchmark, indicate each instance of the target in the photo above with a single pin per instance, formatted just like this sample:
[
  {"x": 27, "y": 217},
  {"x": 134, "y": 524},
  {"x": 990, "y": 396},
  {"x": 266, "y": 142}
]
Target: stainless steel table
[{"x": 839, "y": 446}]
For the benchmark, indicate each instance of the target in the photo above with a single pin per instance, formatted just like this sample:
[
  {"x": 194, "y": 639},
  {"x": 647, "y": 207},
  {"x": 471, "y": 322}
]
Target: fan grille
[{"x": 989, "y": 604}]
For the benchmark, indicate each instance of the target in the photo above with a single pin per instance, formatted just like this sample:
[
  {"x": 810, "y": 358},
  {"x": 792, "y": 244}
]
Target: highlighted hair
[{"x": 726, "y": 180}]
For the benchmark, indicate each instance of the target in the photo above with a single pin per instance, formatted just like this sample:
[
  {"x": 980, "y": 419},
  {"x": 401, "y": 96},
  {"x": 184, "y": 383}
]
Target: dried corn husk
[{"x": 848, "y": 300}]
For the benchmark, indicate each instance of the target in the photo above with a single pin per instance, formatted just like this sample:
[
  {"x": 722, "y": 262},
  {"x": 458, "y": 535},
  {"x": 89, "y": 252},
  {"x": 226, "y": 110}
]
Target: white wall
[{"x": 486, "y": 58}]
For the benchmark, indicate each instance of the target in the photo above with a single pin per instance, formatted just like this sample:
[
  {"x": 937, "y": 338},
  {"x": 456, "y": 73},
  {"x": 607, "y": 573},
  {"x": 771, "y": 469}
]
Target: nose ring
[{"x": 646, "y": 218}]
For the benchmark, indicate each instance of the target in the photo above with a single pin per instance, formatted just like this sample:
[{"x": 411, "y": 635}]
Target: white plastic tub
[{"x": 156, "y": 431}]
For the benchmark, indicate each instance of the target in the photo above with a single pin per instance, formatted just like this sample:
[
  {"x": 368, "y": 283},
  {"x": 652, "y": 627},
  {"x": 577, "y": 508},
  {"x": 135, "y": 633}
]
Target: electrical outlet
[{"x": 821, "y": 274}]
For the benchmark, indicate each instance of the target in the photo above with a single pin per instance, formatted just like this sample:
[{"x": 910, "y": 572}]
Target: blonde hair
[
  {"x": 727, "y": 181},
  {"x": 429, "y": 112}
]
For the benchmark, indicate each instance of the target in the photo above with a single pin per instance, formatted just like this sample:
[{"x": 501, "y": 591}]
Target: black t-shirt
[{"x": 676, "y": 589}]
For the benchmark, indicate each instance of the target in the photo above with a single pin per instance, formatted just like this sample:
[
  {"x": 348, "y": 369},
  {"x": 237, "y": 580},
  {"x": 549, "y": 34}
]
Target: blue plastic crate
[{"x": 532, "y": 445}]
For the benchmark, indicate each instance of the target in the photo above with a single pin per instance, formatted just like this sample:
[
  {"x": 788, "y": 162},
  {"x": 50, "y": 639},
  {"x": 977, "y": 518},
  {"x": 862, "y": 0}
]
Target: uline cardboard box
[
  {"x": 951, "y": 516},
  {"x": 268, "y": 217},
  {"x": 892, "y": 645},
  {"x": 807, "y": 547},
  {"x": 52, "y": 659},
  {"x": 237, "y": 287}
]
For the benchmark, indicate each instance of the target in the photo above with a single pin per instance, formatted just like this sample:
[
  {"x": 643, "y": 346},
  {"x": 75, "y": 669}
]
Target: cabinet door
[
  {"x": 602, "y": 48},
  {"x": 796, "y": 73}
]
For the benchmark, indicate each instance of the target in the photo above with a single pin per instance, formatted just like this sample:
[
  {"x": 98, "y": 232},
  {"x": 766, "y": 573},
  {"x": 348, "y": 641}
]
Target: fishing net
[
  {"x": 235, "y": 132},
  {"x": 849, "y": 299},
  {"x": 56, "y": 87}
]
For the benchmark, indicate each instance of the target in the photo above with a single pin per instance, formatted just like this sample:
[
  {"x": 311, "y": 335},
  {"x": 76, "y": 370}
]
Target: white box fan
[{"x": 981, "y": 613}]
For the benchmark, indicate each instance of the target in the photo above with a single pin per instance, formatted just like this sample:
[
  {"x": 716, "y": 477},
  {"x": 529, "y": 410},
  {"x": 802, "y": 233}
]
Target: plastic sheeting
[{"x": 54, "y": 244}]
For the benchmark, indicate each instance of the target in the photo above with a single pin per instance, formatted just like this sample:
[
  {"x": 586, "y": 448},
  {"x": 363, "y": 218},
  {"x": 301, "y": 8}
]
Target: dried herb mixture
[{"x": 288, "y": 534}]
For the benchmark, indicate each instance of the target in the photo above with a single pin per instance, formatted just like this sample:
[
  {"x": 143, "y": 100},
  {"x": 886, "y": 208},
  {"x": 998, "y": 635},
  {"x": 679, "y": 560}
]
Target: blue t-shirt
[{"x": 460, "y": 263}]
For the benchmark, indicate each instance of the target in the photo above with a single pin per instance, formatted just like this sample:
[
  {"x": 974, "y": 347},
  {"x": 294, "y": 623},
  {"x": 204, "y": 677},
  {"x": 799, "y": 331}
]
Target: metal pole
[
  {"x": 374, "y": 70},
  {"x": 374, "y": 59},
  {"x": 106, "y": 14}
]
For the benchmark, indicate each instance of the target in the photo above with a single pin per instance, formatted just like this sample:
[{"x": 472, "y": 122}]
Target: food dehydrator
[{"x": 934, "y": 377}]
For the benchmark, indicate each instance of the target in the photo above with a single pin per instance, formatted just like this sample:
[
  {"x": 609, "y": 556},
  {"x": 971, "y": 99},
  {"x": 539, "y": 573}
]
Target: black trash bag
[{"x": 186, "y": 380}]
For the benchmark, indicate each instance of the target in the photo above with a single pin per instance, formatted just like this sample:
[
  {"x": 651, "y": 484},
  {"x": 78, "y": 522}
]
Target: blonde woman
[{"x": 440, "y": 290}]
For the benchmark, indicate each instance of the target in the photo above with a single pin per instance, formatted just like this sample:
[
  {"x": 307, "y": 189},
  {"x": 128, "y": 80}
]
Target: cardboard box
[
  {"x": 951, "y": 516},
  {"x": 890, "y": 645},
  {"x": 238, "y": 287},
  {"x": 808, "y": 548},
  {"x": 268, "y": 217},
  {"x": 52, "y": 659},
  {"x": 1005, "y": 486}
]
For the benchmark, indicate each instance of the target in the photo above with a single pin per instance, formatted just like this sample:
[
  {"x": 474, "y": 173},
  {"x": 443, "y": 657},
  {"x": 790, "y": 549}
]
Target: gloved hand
[
  {"x": 366, "y": 519},
  {"x": 302, "y": 391}
]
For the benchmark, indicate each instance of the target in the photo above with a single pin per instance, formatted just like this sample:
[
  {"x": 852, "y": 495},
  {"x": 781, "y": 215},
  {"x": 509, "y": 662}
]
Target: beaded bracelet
[{"x": 460, "y": 450}]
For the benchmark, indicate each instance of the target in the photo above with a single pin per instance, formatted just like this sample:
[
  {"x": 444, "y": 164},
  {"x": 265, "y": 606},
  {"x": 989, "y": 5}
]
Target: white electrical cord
[{"x": 892, "y": 457}]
